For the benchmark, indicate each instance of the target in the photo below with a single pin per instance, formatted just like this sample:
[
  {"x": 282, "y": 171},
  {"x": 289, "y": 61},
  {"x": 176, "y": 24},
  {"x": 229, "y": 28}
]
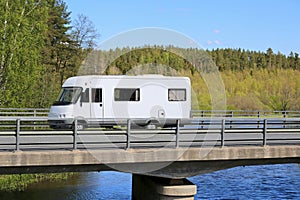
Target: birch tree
[{"x": 22, "y": 31}]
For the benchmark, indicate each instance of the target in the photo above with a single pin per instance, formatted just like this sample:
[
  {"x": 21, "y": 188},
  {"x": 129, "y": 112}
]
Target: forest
[{"x": 41, "y": 47}]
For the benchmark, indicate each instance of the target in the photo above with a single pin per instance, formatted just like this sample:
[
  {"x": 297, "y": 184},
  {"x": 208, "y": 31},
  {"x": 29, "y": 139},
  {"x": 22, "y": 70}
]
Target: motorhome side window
[
  {"x": 96, "y": 95},
  {"x": 177, "y": 94},
  {"x": 85, "y": 96},
  {"x": 127, "y": 94}
]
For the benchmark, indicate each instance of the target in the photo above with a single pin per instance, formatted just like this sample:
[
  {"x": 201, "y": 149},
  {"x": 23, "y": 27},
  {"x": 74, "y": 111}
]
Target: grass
[{"x": 11, "y": 183}]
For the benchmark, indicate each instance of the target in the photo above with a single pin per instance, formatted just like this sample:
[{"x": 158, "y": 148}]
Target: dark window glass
[
  {"x": 85, "y": 96},
  {"x": 96, "y": 95},
  {"x": 68, "y": 95},
  {"x": 127, "y": 94}
]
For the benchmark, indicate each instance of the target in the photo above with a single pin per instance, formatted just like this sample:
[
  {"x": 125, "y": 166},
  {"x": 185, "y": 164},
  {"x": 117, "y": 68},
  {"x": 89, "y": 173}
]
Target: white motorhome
[{"x": 145, "y": 98}]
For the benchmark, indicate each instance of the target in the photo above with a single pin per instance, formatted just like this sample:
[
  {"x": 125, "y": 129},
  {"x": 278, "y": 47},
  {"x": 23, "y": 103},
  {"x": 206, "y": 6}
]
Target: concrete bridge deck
[{"x": 165, "y": 162}]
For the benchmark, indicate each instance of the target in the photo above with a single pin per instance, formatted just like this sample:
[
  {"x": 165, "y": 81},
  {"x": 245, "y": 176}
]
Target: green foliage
[
  {"x": 263, "y": 89},
  {"x": 237, "y": 59},
  {"x": 39, "y": 50},
  {"x": 23, "y": 33},
  {"x": 10, "y": 183}
]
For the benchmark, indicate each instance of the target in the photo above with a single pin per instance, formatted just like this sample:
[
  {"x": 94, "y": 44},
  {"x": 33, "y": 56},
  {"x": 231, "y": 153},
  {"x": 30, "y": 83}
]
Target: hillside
[{"x": 252, "y": 80}]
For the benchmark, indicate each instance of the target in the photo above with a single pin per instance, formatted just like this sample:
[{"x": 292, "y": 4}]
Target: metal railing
[
  {"x": 34, "y": 134},
  {"x": 43, "y": 112},
  {"x": 24, "y": 112},
  {"x": 245, "y": 113}
]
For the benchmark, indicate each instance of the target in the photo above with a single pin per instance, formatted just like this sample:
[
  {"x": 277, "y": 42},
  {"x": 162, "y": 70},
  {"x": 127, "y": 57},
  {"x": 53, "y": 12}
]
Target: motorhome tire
[{"x": 80, "y": 125}]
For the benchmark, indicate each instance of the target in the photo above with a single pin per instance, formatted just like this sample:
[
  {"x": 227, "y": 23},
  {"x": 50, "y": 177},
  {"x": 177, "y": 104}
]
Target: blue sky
[{"x": 254, "y": 25}]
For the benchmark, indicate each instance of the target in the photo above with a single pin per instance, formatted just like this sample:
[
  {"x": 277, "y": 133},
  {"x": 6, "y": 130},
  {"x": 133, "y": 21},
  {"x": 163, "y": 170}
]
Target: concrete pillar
[{"x": 154, "y": 188}]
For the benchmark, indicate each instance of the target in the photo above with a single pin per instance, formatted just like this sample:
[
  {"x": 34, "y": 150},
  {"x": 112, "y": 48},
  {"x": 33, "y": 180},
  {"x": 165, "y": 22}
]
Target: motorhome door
[{"x": 97, "y": 103}]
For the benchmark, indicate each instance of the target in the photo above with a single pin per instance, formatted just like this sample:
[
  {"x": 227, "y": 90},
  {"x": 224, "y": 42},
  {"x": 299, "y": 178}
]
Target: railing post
[
  {"x": 34, "y": 116},
  {"x": 177, "y": 132},
  {"x": 265, "y": 133},
  {"x": 18, "y": 128},
  {"x": 222, "y": 133},
  {"x": 75, "y": 134},
  {"x": 128, "y": 133}
]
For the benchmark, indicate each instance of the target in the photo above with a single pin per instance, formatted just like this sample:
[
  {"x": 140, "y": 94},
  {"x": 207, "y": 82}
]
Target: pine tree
[
  {"x": 269, "y": 57},
  {"x": 57, "y": 40},
  {"x": 54, "y": 53}
]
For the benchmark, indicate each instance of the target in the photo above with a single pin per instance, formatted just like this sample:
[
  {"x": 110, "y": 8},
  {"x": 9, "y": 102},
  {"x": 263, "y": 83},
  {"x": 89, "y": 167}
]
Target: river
[{"x": 251, "y": 182}]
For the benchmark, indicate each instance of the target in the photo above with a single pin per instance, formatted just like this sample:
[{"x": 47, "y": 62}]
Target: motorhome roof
[{"x": 154, "y": 76}]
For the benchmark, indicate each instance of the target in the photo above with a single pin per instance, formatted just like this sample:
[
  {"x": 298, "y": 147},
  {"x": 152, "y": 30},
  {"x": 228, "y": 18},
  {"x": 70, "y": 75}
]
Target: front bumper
[{"x": 61, "y": 123}]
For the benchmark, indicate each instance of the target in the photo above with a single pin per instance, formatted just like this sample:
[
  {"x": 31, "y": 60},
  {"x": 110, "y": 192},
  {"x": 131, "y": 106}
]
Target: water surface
[{"x": 251, "y": 182}]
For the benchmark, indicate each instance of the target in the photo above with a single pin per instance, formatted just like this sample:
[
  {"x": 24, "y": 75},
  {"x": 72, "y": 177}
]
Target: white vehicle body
[{"x": 109, "y": 98}]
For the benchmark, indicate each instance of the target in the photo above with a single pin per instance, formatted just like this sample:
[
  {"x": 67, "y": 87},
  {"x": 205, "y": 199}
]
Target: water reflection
[{"x": 91, "y": 186}]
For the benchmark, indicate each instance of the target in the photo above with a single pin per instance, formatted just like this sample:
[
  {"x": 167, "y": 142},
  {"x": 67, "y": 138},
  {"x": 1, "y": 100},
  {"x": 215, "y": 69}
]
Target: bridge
[{"x": 159, "y": 159}]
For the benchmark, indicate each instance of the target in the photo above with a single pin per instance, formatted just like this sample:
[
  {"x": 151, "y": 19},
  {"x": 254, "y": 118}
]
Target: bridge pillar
[{"x": 154, "y": 188}]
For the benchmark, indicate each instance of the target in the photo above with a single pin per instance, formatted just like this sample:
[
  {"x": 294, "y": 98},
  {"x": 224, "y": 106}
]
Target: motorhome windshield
[{"x": 68, "y": 95}]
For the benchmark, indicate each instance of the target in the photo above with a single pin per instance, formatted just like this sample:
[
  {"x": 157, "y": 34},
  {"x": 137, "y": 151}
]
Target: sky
[{"x": 252, "y": 25}]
